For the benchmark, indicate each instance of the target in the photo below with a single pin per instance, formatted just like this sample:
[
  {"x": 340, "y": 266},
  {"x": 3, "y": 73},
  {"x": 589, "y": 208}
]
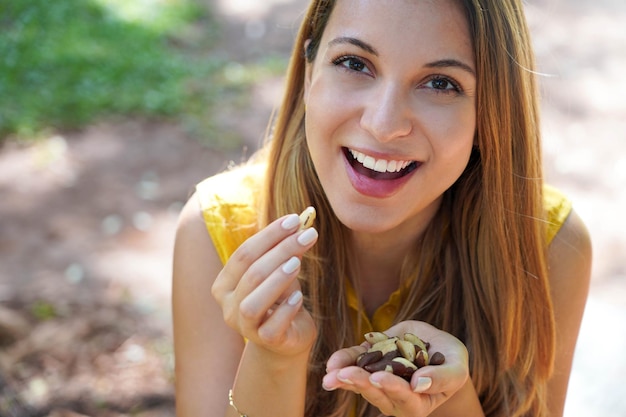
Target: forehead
[{"x": 418, "y": 25}]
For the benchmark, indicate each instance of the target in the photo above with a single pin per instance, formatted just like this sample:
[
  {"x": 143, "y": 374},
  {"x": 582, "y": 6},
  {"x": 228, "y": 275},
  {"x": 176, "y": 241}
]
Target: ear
[{"x": 307, "y": 72}]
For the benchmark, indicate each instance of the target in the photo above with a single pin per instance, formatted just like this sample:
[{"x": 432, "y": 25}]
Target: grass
[{"x": 66, "y": 63}]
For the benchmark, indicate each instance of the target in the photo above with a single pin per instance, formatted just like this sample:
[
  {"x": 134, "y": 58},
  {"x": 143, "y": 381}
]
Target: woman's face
[{"x": 390, "y": 109}]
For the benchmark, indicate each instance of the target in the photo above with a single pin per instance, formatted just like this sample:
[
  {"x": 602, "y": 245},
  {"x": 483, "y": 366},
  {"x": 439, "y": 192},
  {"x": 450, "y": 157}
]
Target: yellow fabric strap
[
  {"x": 228, "y": 204},
  {"x": 558, "y": 208}
]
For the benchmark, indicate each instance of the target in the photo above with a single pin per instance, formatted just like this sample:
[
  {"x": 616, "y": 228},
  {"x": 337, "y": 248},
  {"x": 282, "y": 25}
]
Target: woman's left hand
[{"x": 430, "y": 386}]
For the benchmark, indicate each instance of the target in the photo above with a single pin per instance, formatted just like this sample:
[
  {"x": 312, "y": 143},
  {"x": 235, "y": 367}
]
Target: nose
[{"x": 387, "y": 113}]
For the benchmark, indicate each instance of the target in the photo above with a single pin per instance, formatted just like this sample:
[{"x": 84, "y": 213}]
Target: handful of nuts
[{"x": 401, "y": 356}]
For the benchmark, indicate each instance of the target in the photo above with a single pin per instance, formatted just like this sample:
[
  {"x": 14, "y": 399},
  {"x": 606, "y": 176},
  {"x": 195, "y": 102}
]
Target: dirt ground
[{"x": 87, "y": 221}]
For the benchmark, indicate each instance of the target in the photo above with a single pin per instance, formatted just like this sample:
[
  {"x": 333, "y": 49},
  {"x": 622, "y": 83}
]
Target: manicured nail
[
  {"x": 345, "y": 380},
  {"x": 290, "y": 222},
  {"x": 291, "y": 265},
  {"x": 307, "y": 237},
  {"x": 295, "y": 298},
  {"x": 423, "y": 383},
  {"x": 328, "y": 388},
  {"x": 375, "y": 383}
]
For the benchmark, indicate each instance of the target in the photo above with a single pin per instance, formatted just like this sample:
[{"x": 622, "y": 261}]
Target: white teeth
[
  {"x": 369, "y": 162},
  {"x": 379, "y": 165}
]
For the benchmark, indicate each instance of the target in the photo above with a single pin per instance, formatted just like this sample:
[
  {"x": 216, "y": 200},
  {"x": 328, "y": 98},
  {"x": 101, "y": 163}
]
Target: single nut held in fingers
[
  {"x": 401, "y": 356},
  {"x": 307, "y": 217}
]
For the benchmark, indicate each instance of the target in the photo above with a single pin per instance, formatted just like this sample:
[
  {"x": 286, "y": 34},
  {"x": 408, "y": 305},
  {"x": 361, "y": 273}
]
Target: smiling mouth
[{"x": 378, "y": 169}]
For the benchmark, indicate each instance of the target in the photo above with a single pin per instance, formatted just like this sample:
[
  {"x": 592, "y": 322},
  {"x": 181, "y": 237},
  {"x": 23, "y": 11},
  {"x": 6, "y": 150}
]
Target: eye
[
  {"x": 442, "y": 84},
  {"x": 352, "y": 63}
]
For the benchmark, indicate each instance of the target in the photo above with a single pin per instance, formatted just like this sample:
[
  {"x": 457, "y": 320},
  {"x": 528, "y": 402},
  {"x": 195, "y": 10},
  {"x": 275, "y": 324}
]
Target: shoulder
[
  {"x": 570, "y": 254},
  {"x": 234, "y": 186},
  {"x": 229, "y": 206},
  {"x": 191, "y": 238},
  {"x": 569, "y": 257}
]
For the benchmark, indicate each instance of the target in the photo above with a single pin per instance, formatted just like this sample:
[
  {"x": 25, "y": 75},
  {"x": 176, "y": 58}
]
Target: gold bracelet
[{"x": 232, "y": 403}]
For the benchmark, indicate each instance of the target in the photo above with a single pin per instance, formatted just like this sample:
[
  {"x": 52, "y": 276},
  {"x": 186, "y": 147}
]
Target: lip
[{"x": 378, "y": 187}]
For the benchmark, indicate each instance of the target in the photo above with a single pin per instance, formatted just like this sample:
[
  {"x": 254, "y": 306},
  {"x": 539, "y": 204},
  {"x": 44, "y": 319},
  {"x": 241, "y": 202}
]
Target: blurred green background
[{"x": 67, "y": 63}]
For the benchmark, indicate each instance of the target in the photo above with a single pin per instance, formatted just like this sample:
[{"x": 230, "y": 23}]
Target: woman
[{"x": 412, "y": 127}]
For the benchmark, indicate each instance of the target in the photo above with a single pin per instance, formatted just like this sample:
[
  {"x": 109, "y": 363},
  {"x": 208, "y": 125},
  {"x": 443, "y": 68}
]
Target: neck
[{"x": 378, "y": 263}]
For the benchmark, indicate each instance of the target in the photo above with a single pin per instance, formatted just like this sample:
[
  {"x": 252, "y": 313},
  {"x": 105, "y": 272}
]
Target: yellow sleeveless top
[{"x": 228, "y": 203}]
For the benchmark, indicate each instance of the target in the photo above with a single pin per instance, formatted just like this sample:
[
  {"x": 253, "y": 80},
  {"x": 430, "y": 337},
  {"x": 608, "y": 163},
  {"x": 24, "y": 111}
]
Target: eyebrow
[
  {"x": 356, "y": 42},
  {"x": 442, "y": 63},
  {"x": 447, "y": 63}
]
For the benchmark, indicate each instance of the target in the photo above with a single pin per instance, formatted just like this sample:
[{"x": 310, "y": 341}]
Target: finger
[
  {"x": 274, "y": 330},
  {"x": 389, "y": 390},
  {"x": 250, "y": 251},
  {"x": 350, "y": 378},
  {"x": 267, "y": 296},
  {"x": 445, "y": 378},
  {"x": 344, "y": 357},
  {"x": 258, "y": 272},
  {"x": 247, "y": 320},
  {"x": 358, "y": 380}
]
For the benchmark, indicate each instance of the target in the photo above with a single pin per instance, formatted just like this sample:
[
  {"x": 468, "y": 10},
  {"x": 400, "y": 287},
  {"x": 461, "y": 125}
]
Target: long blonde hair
[{"x": 482, "y": 276}]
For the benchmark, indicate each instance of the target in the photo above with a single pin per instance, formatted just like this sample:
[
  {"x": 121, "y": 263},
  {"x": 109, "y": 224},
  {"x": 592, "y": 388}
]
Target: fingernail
[
  {"x": 375, "y": 383},
  {"x": 423, "y": 383},
  {"x": 291, "y": 265},
  {"x": 345, "y": 380},
  {"x": 328, "y": 388},
  {"x": 290, "y": 222},
  {"x": 307, "y": 237},
  {"x": 295, "y": 298}
]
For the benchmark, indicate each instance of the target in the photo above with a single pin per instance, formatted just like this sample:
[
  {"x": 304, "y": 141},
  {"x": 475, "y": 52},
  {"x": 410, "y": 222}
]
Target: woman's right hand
[{"x": 258, "y": 291}]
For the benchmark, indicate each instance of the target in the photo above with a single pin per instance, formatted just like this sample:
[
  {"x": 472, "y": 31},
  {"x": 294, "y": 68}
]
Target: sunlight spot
[
  {"x": 249, "y": 7},
  {"x": 112, "y": 225},
  {"x": 142, "y": 221},
  {"x": 145, "y": 12},
  {"x": 49, "y": 151},
  {"x": 149, "y": 186},
  {"x": 74, "y": 273}
]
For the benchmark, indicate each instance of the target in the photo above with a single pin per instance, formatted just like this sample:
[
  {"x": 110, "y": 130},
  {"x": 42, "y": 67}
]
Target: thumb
[
  {"x": 422, "y": 384},
  {"x": 446, "y": 378},
  {"x": 439, "y": 379}
]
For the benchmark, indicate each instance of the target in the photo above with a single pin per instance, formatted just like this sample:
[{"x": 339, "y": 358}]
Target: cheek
[
  {"x": 317, "y": 134},
  {"x": 450, "y": 131},
  {"x": 450, "y": 127},
  {"x": 326, "y": 113}
]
